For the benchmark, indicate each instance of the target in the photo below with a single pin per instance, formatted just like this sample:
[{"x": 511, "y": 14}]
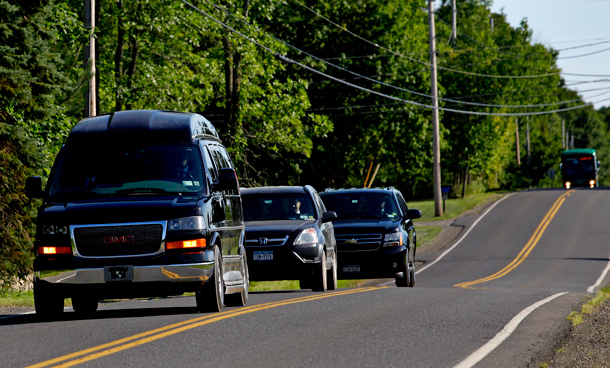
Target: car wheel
[
  {"x": 403, "y": 277},
  {"x": 47, "y": 305},
  {"x": 332, "y": 274},
  {"x": 412, "y": 269},
  {"x": 319, "y": 279},
  {"x": 210, "y": 298},
  {"x": 84, "y": 305},
  {"x": 240, "y": 299}
]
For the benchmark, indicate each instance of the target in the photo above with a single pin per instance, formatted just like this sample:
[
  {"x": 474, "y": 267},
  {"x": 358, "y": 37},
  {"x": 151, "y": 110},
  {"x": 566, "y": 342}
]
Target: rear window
[
  {"x": 361, "y": 205},
  {"x": 277, "y": 206}
]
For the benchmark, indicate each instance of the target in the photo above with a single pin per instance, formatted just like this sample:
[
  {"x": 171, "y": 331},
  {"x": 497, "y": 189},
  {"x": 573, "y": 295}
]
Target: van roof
[{"x": 140, "y": 126}]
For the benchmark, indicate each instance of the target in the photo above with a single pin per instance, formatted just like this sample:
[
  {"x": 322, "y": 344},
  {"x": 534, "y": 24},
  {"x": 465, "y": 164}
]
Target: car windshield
[
  {"x": 277, "y": 206},
  {"x": 361, "y": 205},
  {"x": 150, "y": 170}
]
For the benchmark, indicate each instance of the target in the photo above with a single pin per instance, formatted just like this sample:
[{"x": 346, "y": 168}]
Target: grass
[
  {"x": 453, "y": 207},
  {"x": 16, "y": 298},
  {"x": 425, "y": 234},
  {"x": 294, "y": 285},
  {"x": 587, "y": 308}
]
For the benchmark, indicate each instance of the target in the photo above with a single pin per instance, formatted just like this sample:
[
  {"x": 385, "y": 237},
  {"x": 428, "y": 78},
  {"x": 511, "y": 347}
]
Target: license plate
[
  {"x": 263, "y": 256},
  {"x": 351, "y": 269},
  {"x": 118, "y": 273}
]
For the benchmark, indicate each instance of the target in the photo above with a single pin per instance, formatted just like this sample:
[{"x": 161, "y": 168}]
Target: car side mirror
[
  {"x": 412, "y": 214},
  {"x": 328, "y": 216},
  {"x": 227, "y": 180},
  {"x": 33, "y": 187}
]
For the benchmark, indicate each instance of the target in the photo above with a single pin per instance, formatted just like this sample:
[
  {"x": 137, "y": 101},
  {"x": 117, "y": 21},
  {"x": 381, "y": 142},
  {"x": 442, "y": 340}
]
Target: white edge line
[
  {"x": 600, "y": 279},
  {"x": 484, "y": 350},
  {"x": 463, "y": 236}
]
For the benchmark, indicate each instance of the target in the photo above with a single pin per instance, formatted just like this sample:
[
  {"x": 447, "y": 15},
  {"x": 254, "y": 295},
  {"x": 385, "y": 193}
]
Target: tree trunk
[{"x": 118, "y": 57}]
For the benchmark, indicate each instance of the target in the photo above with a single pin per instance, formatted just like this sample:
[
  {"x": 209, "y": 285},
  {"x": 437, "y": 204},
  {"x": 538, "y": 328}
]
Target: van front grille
[{"x": 118, "y": 240}]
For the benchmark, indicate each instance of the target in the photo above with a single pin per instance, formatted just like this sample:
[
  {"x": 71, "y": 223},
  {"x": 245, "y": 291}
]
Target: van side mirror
[
  {"x": 412, "y": 214},
  {"x": 33, "y": 187},
  {"x": 329, "y": 216},
  {"x": 227, "y": 180}
]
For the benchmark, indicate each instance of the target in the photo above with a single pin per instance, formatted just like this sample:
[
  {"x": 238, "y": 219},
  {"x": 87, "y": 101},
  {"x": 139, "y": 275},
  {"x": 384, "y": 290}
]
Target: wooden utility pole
[
  {"x": 517, "y": 148},
  {"x": 453, "y": 21},
  {"x": 91, "y": 92},
  {"x": 563, "y": 133},
  {"x": 527, "y": 141},
  {"x": 436, "y": 154}
]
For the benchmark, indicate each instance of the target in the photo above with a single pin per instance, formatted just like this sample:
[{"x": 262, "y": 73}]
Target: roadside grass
[
  {"x": 453, "y": 207},
  {"x": 294, "y": 285},
  {"x": 16, "y": 298},
  {"x": 426, "y": 233},
  {"x": 587, "y": 308}
]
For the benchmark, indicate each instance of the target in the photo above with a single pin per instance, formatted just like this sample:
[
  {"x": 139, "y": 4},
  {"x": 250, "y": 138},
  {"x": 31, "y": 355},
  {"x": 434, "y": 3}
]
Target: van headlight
[{"x": 186, "y": 223}]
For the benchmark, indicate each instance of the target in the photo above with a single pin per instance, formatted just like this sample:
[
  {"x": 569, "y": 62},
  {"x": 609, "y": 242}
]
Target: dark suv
[
  {"x": 375, "y": 233},
  {"x": 289, "y": 236},
  {"x": 139, "y": 204}
]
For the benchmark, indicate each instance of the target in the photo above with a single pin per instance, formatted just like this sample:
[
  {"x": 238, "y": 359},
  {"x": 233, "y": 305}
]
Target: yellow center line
[
  {"x": 159, "y": 333},
  {"x": 528, "y": 247}
]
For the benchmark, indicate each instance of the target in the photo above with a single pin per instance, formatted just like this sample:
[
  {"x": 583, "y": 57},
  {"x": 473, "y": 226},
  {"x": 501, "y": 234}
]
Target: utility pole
[
  {"x": 527, "y": 140},
  {"x": 453, "y": 21},
  {"x": 563, "y": 133},
  {"x": 91, "y": 91},
  {"x": 436, "y": 154},
  {"x": 517, "y": 148}
]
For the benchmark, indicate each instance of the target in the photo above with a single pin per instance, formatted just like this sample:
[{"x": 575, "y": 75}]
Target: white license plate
[
  {"x": 351, "y": 269},
  {"x": 263, "y": 256}
]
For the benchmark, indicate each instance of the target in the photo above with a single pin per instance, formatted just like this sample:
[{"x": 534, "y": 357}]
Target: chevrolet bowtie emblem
[{"x": 351, "y": 241}]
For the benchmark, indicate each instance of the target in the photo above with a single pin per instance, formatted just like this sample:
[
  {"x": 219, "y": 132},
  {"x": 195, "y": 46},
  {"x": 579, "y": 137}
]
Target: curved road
[{"x": 498, "y": 296}]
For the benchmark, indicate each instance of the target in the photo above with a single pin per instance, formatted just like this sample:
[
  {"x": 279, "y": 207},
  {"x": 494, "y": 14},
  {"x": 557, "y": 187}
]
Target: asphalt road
[{"x": 498, "y": 296}]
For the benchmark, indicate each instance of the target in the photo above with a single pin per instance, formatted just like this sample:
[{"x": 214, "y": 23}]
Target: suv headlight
[
  {"x": 186, "y": 223},
  {"x": 306, "y": 237},
  {"x": 393, "y": 239}
]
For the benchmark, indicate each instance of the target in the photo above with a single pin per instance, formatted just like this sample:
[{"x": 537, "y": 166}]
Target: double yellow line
[
  {"x": 528, "y": 247},
  {"x": 100, "y": 351}
]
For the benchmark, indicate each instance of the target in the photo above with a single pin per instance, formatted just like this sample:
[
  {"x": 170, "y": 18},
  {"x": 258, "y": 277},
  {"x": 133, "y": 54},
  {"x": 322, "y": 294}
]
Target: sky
[{"x": 563, "y": 24}]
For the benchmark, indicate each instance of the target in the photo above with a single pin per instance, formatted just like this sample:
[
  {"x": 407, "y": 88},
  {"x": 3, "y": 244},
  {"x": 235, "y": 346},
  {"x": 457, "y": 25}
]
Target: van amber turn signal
[
  {"x": 186, "y": 244},
  {"x": 54, "y": 250}
]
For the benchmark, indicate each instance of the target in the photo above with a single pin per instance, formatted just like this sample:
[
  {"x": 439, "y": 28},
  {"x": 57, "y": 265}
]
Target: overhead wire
[
  {"x": 421, "y": 61},
  {"x": 288, "y": 60},
  {"x": 383, "y": 83}
]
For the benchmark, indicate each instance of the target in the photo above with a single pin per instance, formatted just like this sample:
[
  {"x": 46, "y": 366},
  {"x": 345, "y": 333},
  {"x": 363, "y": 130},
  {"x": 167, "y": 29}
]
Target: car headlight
[
  {"x": 186, "y": 223},
  {"x": 307, "y": 236},
  {"x": 393, "y": 239},
  {"x": 55, "y": 229},
  {"x": 592, "y": 183}
]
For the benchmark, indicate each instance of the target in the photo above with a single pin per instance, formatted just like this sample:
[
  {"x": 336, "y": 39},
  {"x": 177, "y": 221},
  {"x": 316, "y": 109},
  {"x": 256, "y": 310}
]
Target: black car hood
[
  {"x": 363, "y": 226},
  {"x": 275, "y": 229},
  {"x": 119, "y": 210}
]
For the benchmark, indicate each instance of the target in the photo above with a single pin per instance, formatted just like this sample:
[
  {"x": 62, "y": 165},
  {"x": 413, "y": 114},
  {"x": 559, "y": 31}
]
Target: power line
[
  {"x": 380, "y": 82},
  {"x": 424, "y": 62},
  {"x": 288, "y": 60}
]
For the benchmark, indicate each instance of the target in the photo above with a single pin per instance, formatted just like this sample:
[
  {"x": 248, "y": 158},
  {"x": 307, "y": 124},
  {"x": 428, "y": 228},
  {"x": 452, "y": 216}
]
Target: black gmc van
[{"x": 139, "y": 204}]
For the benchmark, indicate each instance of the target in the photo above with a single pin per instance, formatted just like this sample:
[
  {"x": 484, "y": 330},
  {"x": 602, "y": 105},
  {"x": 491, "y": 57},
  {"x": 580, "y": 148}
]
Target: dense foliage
[{"x": 278, "y": 78}]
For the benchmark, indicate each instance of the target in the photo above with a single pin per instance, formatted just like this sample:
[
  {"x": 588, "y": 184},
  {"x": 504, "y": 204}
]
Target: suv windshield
[
  {"x": 277, "y": 206},
  {"x": 150, "y": 170},
  {"x": 361, "y": 205}
]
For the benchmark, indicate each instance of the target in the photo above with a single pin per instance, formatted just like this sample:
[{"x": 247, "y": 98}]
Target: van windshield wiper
[{"x": 138, "y": 191}]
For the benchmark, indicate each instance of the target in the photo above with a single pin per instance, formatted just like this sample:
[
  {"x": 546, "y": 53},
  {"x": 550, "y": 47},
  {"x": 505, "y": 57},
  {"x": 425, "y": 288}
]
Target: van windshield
[
  {"x": 150, "y": 170},
  {"x": 358, "y": 205}
]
